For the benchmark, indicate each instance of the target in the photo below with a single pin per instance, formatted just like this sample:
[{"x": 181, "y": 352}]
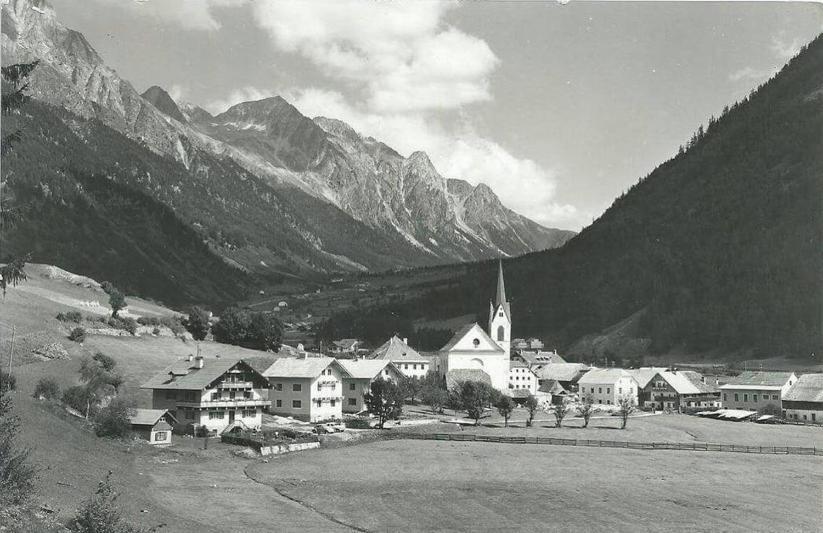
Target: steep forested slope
[{"x": 720, "y": 247}]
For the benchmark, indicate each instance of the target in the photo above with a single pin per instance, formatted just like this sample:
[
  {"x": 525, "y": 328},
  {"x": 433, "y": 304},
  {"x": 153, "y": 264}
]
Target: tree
[
  {"x": 475, "y": 397},
  {"x": 561, "y": 410},
  {"x": 384, "y": 400},
  {"x": 505, "y": 406},
  {"x": 100, "y": 379},
  {"x": 47, "y": 388},
  {"x": 411, "y": 387},
  {"x": 14, "y": 78},
  {"x": 435, "y": 397},
  {"x": 117, "y": 301},
  {"x": 78, "y": 334},
  {"x": 104, "y": 361},
  {"x": 625, "y": 404},
  {"x": 197, "y": 323},
  {"x": 586, "y": 408},
  {"x": 113, "y": 420},
  {"x": 242, "y": 327},
  {"x": 266, "y": 331},
  {"x": 13, "y": 272},
  {"x": 8, "y": 382},
  {"x": 17, "y": 475},
  {"x": 531, "y": 404},
  {"x": 101, "y": 514}
]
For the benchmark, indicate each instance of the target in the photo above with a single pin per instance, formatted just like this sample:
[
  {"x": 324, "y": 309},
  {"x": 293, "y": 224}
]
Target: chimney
[
  {"x": 198, "y": 361},
  {"x": 405, "y": 340}
]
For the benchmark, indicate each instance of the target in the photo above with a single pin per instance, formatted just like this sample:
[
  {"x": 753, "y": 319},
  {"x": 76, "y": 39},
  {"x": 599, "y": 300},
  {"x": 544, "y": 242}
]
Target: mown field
[{"x": 449, "y": 486}]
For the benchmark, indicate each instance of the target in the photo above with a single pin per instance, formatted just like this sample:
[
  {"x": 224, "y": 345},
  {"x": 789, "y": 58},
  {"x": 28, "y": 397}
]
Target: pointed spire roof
[{"x": 500, "y": 298}]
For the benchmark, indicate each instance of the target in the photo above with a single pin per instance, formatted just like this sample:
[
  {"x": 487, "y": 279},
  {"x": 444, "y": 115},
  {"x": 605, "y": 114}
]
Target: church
[{"x": 474, "y": 352}]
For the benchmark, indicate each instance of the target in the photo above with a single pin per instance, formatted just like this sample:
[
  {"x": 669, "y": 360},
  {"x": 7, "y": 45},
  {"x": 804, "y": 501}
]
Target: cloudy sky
[{"x": 559, "y": 108}]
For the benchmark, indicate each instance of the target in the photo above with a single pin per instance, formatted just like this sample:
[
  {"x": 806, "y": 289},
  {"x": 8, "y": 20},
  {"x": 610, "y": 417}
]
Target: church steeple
[
  {"x": 501, "y": 286},
  {"x": 500, "y": 315}
]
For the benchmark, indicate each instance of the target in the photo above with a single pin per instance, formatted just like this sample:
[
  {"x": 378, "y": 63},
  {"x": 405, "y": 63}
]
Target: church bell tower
[{"x": 500, "y": 316}]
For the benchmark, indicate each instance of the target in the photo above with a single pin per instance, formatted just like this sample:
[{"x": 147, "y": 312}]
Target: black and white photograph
[{"x": 411, "y": 266}]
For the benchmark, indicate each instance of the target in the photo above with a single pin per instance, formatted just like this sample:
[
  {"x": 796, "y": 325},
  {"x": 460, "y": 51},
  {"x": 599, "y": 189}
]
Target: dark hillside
[{"x": 722, "y": 245}]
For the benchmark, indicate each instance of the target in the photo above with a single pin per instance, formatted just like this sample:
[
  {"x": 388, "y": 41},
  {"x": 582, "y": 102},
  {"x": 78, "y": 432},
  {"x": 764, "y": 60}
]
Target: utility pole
[{"x": 11, "y": 348}]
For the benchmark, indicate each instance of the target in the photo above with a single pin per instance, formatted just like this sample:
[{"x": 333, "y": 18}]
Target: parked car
[{"x": 331, "y": 427}]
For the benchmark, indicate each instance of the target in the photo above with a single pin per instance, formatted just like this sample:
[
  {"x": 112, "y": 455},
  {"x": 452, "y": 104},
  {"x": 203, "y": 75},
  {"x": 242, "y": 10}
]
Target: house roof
[
  {"x": 760, "y": 379},
  {"x": 395, "y": 349},
  {"x": 309, "y": 367},
  {"x": 346, "y": 343},
  {"x": 365, "y": 368},
  {"x": 644, "y": 375},
  {"x": 462, "y": 332},
  {"x": 808, "y": 388},
  {"x": 553, "y": 387},
  {"x": 697, "y": 380},
  {"x": 515, "y": 364},
  {"x": 147, "y": 417},
  {"x": 561, "y": 371},
  {"x": 604, "y": 375},
  {"x": 459, "y": 375},
  {"x": 541, "y": 358},
  {"x": 184, "y": 375}
]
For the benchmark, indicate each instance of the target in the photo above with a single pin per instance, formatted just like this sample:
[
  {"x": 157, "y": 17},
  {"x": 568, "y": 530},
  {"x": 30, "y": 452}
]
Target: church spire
[{"x": 501, "y": 287}]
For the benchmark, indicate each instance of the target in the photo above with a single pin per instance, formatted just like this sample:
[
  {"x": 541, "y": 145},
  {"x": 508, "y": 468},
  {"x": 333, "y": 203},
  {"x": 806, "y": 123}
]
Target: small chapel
[{"x": 473, "y": 353}]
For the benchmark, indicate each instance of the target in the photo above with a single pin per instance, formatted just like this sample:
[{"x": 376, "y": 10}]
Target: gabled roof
[
  {"x": 808, "y": 388},
  {"x": 553, "y": 387},
  {"x": 395, "y": 349},
  {"x": 464, "y": 331},
  {"x": 459, "y": 375},
  {"x": 309, "y": 367},
  {"x": 184, "y": 375},
  {"x": 758, "y": 379},
  {"x": 561, "y": 371},
  {"x": 644, "y": 375},
  {"x": 540, "y": 358},
  {"x": 346, "y": 343},
  {"x": 148, "y": 417},
  {"x": 697, "y": 380},
  {"x": 366, "y": 368},
  {"x": 604, "y": 375}
]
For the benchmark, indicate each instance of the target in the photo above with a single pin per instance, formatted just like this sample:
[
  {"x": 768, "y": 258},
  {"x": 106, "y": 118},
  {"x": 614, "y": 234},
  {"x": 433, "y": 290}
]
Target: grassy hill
[{"x": 719, "y": 248}]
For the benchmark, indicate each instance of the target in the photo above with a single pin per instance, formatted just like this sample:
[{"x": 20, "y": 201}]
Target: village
[{"x": 327, "y": 393}]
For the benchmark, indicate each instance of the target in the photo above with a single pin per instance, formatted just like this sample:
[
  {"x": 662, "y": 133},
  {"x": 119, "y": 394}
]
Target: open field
[{"x": 425, "y": 486}]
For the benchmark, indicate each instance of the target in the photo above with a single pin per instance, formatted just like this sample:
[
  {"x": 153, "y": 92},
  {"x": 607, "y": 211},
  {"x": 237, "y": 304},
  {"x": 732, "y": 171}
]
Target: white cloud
[
  {"x": 178, "y": 92},
  {"x": 190, "y": 14},
  {"x": 749, "y": 73},
  {"x": 785, "y": 50},
  {"x": 400, "y": 53},
  {"x": 244, "y": 94}
]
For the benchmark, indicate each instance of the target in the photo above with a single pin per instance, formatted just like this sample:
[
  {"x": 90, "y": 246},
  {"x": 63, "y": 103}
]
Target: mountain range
[{"x": 268, "y": 190}]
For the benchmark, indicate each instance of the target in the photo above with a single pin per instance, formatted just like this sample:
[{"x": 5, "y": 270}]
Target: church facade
[{"x": 476, "y": 349}]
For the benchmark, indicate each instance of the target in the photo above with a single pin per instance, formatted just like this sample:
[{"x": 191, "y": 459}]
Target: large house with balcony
[
  {"x": 210, "y": 394},
  {"x": 405, "y": 358},
  {"x": 756, "y": 391},
  {"x": 362, "y": 372},
  {"x": 677, "y": 390},
  {"x": 308, "y": 388}
]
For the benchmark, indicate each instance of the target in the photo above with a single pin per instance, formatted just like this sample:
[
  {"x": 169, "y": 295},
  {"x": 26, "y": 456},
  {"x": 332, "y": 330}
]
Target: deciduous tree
[
  {"x": 560, "y": 411},
  {"x": 505, "y": 406},
  {"x": 384, "y": 400},
  {"x": 532, "y": 405},
  {"x": 625, "y": 405},
  {"x": 476, "y": 396},
  {"x": 197, "y": 323},
  {"x": 586, "y": 408}
]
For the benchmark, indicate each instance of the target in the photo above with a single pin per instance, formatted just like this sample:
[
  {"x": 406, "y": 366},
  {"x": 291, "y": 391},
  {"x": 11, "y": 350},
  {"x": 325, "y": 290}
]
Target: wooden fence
[{"x": 683, "y": 446}]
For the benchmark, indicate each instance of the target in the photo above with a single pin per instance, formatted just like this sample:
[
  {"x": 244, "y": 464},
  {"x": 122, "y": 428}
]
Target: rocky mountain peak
[
  {"x": 338, "y": 128},
  {"x": 195, "y": 113},
  {"x": 160, "y": 99}
]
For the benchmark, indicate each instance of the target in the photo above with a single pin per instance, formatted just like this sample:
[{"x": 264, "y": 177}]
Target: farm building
[
  {"x": 567, "y": 374},
  {"x": 153, "y": 425},
  {"x": 405, "y": 358},
  {"x": 804, "y": 400},
  {"x": 361, "y": 374},
  {"x": 213, "y": 394},
  {"x": 757, "y": 390},
  {"x": 607, "y": 385},
  {"x": 346, "y": 345},
  {"x": 673, "y": 389},
  {"x": 309, "y": 388},
  {"x": 538, "y": 359}
]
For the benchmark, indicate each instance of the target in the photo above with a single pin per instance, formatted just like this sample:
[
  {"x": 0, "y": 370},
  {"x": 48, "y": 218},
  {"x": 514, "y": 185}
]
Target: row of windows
[
  {"x": 609, "y": 390},
  {"x": 298, "y": 404},
  {"x": 186, "y": 396},
  {"x": 231, "y": 395},
  {"x": 220, "y": 415},
  {"x": 794, "y": 415},
  {"x": 414, "y": 366},
  {"x": 764, "y": 397},
  {"x": 517, "y": 378}
]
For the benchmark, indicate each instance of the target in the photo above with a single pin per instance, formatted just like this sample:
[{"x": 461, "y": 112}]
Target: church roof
[
  {"x": 395, "y": 349},
  {"x": 458, "y": 375},
  {"x": 500, "y": 296},
  {"x": 465, "y": 330}
]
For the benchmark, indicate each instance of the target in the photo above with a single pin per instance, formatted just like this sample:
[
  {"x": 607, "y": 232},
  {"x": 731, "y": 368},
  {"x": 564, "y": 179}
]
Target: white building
[
  {"x": 522, "y": 380},
  {"x": 756, "y": 390},
  {"x": 472, "y": 348},
  {"x": 607, "y": 385},
  {"x": 362, "y": 372},
  {"x": 804, "y": 400},
  {"x": 309, "y": 388},
  {"x": 213, "y": 394},
  {"x": 405, "y": 358}
]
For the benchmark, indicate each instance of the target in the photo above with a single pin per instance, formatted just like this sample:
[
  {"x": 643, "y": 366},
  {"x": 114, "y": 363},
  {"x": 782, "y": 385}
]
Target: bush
[
  {"x": 47, "y": 388},
  {"x": 155, "y": 331},
  {"x": 106, "y": 362},
  {"x": 125, "y": 323},
  {"x": 113, "y": 420},
  {"x": 70, "y": 316},
  {"x": 358, "y": 423},
  {"x": 78, "y": 334},
  {"x": 148, "y": 321},
  {"x": 7, "y": 381},
  {"x": 100, "y": 513},
  {"x": 78, "y": 398}
]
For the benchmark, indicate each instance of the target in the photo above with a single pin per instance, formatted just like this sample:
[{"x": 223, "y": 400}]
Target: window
[
  {"x": 249, "y": 413},
  {"x": 414, "y": 367},
  {"x": 501, "y": 333},
  {"x": 774, "y": 396},
  {"x": 215, "y": 415},
  {"x": 609, "y": 402},
  {"x": 318, "y": 402},
  {"x": 296, "y": 387},
  {"x": 352, "y": 386},
  {"x": 608, "y": 390},
  {"x": 599, "y": 390},
  {"x": 171, "y": 394},
  {"x": 334, "y": 385},
  {"x": 754, "y": 398},
  {"x": 406, "y": 367},
  {"x": 319, "y": 386},
  {"x": 592, "y": 390},
  {"x": 247, "y": 394},
  {"x": 735, "y": 397},
  {"x": 620, "y": 390},
  {"x": 190, "y": 414},
  {"x": 745, "y": 397},
  {"x": 724, "y": 397},
  {"x": 333, "y": 402},
  {"x": 476, "y": 342},
  {"x": 296, "y": 404},
  {"x": 814, "y": 417},
  {"x": 500, "y": 313},
  {"x": 161, "y": 435},
  {"x": 215, "y": 396},
  {"x": 279, "y": 403},
  {"x": 278, "y": 387},
  {"x": 353, "y": 401},
  {"x": 232, "y": 395}
]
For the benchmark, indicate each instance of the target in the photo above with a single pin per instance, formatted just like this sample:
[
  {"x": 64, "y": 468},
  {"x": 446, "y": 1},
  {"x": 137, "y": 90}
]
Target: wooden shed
[{"x": 153, "y": 425}]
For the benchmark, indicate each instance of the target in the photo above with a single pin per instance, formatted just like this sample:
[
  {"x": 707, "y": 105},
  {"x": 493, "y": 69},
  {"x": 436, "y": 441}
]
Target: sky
[{"x": 558, "y": 106}]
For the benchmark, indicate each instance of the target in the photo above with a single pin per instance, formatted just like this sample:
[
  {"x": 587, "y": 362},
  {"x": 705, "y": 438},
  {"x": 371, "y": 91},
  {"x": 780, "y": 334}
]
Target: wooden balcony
[{"x": 227, "y": 402}]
